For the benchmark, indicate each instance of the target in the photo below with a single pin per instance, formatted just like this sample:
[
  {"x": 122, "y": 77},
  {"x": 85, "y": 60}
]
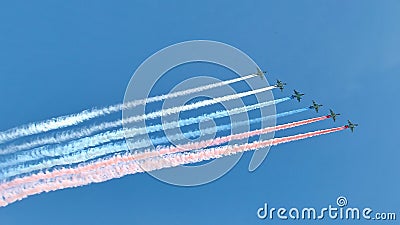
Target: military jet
[
  {"x": 261, "y": 73},
  {"x": 315, "y": 106},
  {"x": 351, "y": 125},
  {"x": 333, "y": 115},
  {"x": 297, "y": 95},
  {"x": 279, "y": 84}
]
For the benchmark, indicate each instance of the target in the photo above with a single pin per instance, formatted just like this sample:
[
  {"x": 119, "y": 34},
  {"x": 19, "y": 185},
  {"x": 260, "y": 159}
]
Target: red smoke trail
[
  {"x": 297, "y": 137},
  {"x": 171, "y": 150},
  {"x": 222, "y": 140},
  {"x": 123, "y": 165}
]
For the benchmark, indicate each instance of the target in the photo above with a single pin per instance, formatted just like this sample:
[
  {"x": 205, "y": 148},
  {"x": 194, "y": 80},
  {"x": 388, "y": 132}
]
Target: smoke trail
[
  {"x": 306, "y": 135},
  {"x": 120, "y": 166},
  {"x": 165, "y": 112},
  {"x": 117, "y": 147},
  {"x": 82, "y": 155},
  {"x": 117, "y": 160},
  {"x": 207, "y": 143},
  {"x": 69, "y": 120},
  {"x": 113, "y": 135},
  {"x": 293, "y": 112}
]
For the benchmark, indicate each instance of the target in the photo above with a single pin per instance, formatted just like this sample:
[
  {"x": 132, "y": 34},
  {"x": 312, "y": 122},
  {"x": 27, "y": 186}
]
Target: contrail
[
  {"x": 75, "y": 154},
  {"x": 202, "y": 144},
  {"x": 64, "y": 136},
  {"x": 208, "y": 143},
  {"x": 119, "y": 166},
  {"x": 85, "y": 154},
  {"x": 49, "y": 151},
  {"x": 293, "y": 112},
  {"x": 73, "y": 119}
]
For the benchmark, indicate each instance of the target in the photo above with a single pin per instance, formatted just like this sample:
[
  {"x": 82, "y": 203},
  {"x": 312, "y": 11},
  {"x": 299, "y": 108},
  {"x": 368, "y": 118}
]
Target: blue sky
[{"x": 60, "y": 58}]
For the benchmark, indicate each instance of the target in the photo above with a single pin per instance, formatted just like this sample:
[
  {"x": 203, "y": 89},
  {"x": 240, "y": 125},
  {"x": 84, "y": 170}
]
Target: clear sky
[{"x": 60, "y": 58}]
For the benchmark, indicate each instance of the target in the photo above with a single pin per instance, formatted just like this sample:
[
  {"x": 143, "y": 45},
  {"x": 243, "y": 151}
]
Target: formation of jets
[{"x": 297, "y": 95}]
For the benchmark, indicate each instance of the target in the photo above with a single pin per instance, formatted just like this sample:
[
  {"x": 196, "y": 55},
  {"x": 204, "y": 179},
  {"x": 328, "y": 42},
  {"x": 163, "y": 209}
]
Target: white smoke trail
[
  {"x": 162, "y": 151},
  {"x": 80, "y": 151},
  {"x": 64, "y": 136},
  {"x": 115, "y": 135},
  {"x": 119, "y": 166},
  {"x": 70, "y": 120}
]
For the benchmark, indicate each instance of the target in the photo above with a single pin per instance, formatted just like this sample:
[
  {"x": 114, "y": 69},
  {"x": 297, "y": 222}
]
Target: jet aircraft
[
  {"x": 351, "y": 125},
  {"x": 315, "y": 106},
  {"x": 297, "y": 95},
  {"x": 261, "y": 73},
  {"x": 279, "y": 84},
  {"x": 333, "y": 115}
]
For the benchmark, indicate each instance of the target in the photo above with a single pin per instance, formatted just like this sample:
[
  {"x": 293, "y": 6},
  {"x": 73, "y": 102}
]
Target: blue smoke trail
[
  {"x": 109, "y": 136},
  {"x": 120, "y": 146}
]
